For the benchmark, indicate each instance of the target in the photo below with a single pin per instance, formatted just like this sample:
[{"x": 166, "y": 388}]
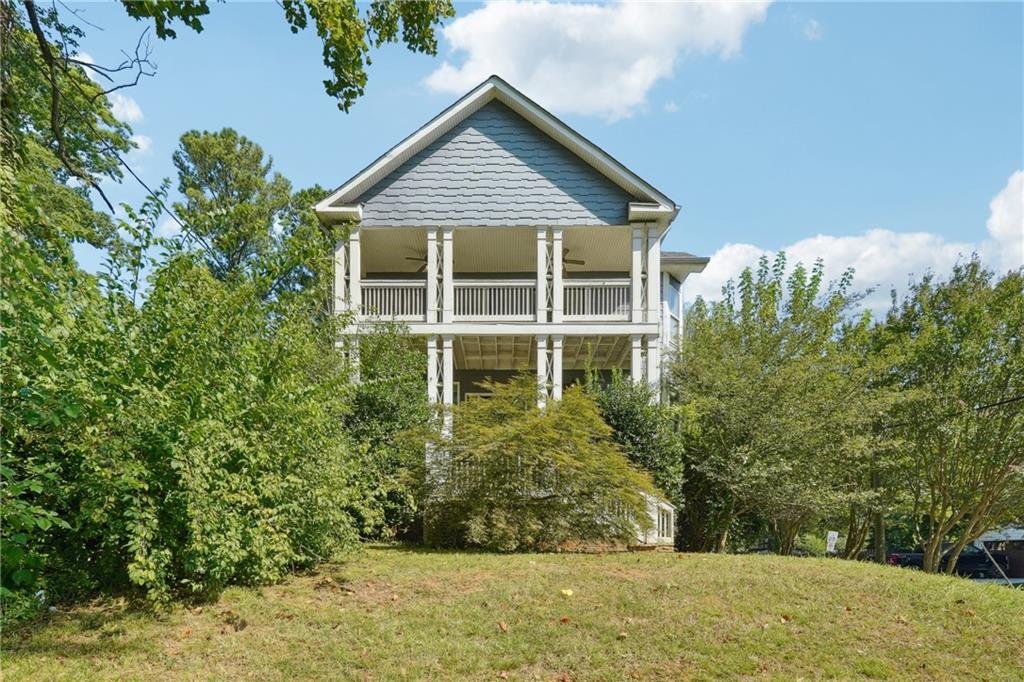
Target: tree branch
[{"x": 55, "y": 124}]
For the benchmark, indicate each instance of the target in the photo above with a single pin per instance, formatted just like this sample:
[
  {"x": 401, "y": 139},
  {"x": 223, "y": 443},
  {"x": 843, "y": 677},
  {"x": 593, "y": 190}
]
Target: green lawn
[{"x": 401, "y": 614}]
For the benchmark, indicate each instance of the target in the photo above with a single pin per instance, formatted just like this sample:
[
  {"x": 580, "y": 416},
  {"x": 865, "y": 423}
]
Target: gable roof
[{"x": 650, "y": 204}]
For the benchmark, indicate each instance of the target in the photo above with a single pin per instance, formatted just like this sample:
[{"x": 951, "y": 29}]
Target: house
[{"x": 511, "y": 243}]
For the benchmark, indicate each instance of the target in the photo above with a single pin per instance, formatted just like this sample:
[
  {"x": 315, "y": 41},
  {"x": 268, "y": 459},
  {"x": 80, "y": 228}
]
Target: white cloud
[
  {"x": 1006, "y": 222},
  {"x": 671, "y": 107},
  {"x": 812, "y": 29},
  {"x": 168, "y": 227},
  {"x": 125, "y": 108},
  {"x": 882, "y": 259},
  {"x": 588, "y": 58},
  {"x": 143, "y": 143}
]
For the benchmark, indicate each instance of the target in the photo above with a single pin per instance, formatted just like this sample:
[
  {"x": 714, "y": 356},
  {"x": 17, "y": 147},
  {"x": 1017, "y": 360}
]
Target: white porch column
[
  {"x": 431, "y": 292},
  {"x": 353, "y": 358},
  {"x": 666, "y": 327},
  {"x": 355, "y": 274},
  {"x": 340, "y": 297},
  {"x": 557, "y": 297},
  {"x": 447, "y": 275},
  {"x": 542, "y": 274},
  {"x": 636, "y": 359},
  {"x": 447, "y": 370},
  {"x": 556, "y": 367},
  {"x": 653, "y": 276},
  {"x": 448, "y": 379},
  {"x": 654, "y": 366},
  {"x": 542, "y": 371},
  {"x": 432, "y": 370},
  {"x": 636, "y": 284}
]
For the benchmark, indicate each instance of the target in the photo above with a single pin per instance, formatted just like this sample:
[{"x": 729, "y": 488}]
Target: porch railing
[
  {"x": 507, "y": 300},
  {"x": 597, "y": 300},
  {"x": 398, "y": 300},
  {"x": 513, "y": 300}
]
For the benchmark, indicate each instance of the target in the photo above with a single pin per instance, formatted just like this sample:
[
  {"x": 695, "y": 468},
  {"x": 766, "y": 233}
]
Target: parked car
[{"x": 972, "y": 562}]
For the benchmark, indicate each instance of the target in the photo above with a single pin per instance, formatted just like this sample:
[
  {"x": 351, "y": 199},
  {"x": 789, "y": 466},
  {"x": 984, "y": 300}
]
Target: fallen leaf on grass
[
  {"x": 503, "y": 626},
  {"x": 969, "y": 613},
  {"x": 564, "y": 620},
  {"x": 567, "y": 593},
  {"x": 786, "y": 618},
  {"x": 622, "y": 634}
]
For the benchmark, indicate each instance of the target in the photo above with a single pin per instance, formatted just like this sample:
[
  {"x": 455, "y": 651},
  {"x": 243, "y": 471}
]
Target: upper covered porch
[{"x": 511, "y": 274}]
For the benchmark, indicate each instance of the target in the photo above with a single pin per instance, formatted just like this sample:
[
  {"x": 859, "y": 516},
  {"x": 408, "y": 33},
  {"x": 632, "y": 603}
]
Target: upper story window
[{"x": 673, "y": 296}]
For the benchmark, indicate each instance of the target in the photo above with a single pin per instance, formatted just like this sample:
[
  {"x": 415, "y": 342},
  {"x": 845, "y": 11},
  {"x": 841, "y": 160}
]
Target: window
[
  {"x": 672, "y": 295},
  {"x": 665, "y": 529}
]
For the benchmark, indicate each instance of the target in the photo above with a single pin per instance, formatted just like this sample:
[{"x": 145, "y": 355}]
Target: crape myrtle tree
[
  {"x": 773, "y": 394},
  {"x": 959, "y": 363},
  {"x": 513, "y": 477}
]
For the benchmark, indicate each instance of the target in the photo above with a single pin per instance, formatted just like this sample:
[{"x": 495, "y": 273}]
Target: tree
[
  {"x": 960, "y": 366},
  {"x": 389, "y": 400},
  {"x": 648, "y": 431},
  {"x": 513, "y": 477},
  {"x": 233, "y": 201},
  {"x": 761, "y": 374},
  {"x": 40, "y": 63}
]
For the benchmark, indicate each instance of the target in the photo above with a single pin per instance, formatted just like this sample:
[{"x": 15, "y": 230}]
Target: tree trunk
[
  {"x": 932, "y": 555},
  {"x": 879, "y": 539},
  {"x": 723, "y": 538},
  {"x": 855, "y": 541}
]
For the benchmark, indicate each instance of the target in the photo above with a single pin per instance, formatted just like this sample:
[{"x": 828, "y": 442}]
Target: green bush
[
  {"x": 174, "y": 443},
  {"x": 513, "y": 477}
]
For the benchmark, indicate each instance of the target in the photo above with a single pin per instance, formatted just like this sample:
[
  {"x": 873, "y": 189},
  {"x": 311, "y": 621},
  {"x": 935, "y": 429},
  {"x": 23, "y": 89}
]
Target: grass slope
[{"x": 400, "y": 614}]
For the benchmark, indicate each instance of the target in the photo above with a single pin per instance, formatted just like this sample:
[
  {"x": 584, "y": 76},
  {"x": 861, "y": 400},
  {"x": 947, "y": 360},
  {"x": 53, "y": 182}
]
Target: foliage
[
  {"x": 960, "y": 365},
  {"x": 346, "y": 32},
  {"x": 231, "y": 206},
  {"x": 515, "y": 477},
  {"x": 647, "y": 430},
  {"x": 162, "y": 429},
  {"x": 389, "y": 400},
  {"x": 772, "y": 393},
  {"x": 51, "y": 111}
]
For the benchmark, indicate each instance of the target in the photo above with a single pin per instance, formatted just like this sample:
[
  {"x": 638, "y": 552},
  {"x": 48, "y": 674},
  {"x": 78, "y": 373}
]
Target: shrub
[{"x": 513, "y": 477}]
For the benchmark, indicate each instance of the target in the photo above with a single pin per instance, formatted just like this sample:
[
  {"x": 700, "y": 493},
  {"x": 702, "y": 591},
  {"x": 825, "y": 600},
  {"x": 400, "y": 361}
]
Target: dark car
[{"x": 972, "y": 562}]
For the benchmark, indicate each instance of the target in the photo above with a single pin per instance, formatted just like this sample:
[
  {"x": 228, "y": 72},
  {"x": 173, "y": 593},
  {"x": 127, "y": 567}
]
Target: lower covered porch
[{"x": 458, "y": 366}]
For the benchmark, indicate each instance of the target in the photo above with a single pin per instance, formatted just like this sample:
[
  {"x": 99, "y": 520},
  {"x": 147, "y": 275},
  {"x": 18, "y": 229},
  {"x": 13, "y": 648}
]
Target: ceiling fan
[
  {"x": 565, "y": 259},
  {"x": 571, "y": 261},
  {"x": 419, "y": 259}
]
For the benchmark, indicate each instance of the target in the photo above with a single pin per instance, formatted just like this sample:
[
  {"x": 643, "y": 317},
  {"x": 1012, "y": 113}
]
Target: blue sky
[{"x": 883, "y": 136}]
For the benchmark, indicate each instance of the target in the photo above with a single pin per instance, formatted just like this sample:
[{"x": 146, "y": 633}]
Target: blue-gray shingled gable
[{"x": 494, "y": 168}]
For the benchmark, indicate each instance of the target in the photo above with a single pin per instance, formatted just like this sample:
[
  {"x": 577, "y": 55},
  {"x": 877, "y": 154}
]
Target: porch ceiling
[
  {"x": 496, "y": 249},
  {"x": 520, "y": 352}
]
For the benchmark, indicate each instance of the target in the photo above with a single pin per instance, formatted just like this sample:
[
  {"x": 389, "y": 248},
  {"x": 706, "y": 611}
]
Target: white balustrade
[
  {"x": 506, "y": 300},
  {"x": 398, "y": 300},
  {"x": 514, "y": 300},
  {"x": 597, "y": 299}
]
